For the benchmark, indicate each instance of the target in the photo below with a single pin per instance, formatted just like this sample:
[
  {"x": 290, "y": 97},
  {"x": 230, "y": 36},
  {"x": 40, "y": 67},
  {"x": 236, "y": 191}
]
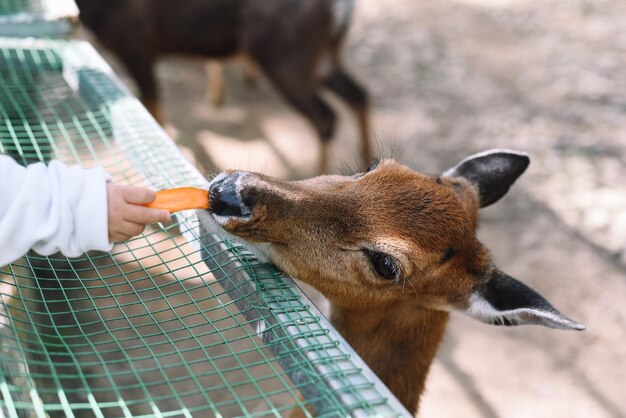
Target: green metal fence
[
  {"x": 175, "y": 322},
  {"x": 39, "y": 18}
]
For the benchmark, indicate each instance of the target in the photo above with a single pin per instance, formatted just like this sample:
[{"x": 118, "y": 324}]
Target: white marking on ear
[
  {"x": 482, "y": 310},
  {"x": 450, "y": 172}
]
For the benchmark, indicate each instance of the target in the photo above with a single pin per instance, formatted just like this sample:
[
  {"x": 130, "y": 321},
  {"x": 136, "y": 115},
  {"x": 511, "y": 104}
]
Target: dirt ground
[{"x": 452, "y": 77}]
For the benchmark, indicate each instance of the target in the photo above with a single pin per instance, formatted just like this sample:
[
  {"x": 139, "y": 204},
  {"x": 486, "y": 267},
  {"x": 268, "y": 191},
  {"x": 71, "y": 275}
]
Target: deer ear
[
  {"x": 492, "y": 172},
  {"x": 503, "y": 300}
]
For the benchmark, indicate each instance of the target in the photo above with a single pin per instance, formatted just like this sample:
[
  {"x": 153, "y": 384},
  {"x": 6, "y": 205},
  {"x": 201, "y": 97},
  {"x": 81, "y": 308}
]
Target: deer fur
[
  {"x": 295, "y": 44},
  {"x": 393, "y": 250}
]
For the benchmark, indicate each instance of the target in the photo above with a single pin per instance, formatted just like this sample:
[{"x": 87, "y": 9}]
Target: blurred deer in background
[
  {"x": 296, "y": 44},
  {"x": 393, "y": 250}
]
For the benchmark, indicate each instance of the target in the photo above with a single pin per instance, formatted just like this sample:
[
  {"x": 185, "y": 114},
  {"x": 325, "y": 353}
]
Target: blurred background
[{"x": 448, "y": 78}]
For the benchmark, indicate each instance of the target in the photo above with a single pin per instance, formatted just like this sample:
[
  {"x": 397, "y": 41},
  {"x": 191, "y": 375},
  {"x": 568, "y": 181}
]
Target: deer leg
[
  {"x": 250, "y": 72},
  {"x": 215, "y": 73},
  {"x": 142, "y": 71},
  {"x": 355, "y": 96},
  {"x": 301, "y": 92}
]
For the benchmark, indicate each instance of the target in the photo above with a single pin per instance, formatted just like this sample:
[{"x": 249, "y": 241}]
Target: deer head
[
  {"x": 387, "y": 234},
  {"x": 387, "y": 239}
]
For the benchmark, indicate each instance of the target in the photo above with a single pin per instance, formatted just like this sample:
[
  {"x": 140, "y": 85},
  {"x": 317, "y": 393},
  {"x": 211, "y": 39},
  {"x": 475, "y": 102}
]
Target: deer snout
[{"x": 225, "y": 194}]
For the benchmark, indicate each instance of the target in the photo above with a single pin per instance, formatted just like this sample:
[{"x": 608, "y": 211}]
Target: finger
[
  {"x": 116, "y": 237},
  {"x": 126, "y": 230},
  {"x": 138, "y": 195},
  {"x": 131, "y": 229},
  {"x": 142, "y": 215},
  {"x": 119, "y": 236}
]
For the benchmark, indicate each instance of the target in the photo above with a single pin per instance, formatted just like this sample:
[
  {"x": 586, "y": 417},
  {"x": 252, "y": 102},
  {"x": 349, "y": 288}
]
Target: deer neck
[{"x": 398, "y": 342}]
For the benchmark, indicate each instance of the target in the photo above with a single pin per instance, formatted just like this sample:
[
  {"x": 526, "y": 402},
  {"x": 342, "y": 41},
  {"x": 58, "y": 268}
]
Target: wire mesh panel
[
  {"x": 36, "y": 17},
  {"x": 175, "y": 322}
]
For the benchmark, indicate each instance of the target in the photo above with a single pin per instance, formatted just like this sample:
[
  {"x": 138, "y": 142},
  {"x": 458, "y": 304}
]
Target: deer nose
[{"x": 225, "y": 195}]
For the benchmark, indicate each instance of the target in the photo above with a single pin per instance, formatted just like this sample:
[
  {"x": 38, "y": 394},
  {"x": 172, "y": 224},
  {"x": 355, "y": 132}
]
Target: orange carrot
[{"x": 181, "y": 198}]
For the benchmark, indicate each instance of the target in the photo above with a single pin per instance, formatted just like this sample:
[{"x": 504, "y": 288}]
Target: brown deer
[
  {"x": 296, "y": 44},
  {"x": 394, "y": 251}
]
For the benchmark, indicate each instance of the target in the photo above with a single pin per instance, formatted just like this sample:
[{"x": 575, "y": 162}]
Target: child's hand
[{"x": 126, "y": 217}]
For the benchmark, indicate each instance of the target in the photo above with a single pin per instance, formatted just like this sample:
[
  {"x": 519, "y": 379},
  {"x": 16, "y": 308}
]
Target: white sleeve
[{"x": 51, "y": 209}]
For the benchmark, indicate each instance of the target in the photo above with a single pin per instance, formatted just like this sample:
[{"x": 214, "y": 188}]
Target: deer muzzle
[
  {"x": 225, "y": 195},
  {"x": 248, "y": 206}
]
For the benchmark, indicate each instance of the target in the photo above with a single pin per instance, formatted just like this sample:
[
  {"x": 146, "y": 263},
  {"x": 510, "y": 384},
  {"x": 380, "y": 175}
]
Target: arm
[
  {"x": 66, "y": 209},
  {"x": 51, "y": 209}
]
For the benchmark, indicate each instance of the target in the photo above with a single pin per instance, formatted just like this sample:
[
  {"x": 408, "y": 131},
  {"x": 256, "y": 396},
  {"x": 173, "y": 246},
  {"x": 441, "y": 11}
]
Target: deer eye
[
  {"x": 448, "y": 254},
  {"x": 383, "y": 264}
]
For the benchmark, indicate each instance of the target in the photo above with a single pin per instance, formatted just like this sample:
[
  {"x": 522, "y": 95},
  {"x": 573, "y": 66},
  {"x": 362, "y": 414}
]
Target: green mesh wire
[
  {"x": 175, "y": 322},
  {"x": 13, "y": 7},
  {"x": 41, "y": 18}
]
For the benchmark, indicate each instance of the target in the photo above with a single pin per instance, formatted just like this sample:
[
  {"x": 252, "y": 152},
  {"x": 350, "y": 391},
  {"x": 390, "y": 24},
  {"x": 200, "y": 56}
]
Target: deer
[
  {"x": 393, "y": 250},
  {"x": 295, "y": 44}
]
